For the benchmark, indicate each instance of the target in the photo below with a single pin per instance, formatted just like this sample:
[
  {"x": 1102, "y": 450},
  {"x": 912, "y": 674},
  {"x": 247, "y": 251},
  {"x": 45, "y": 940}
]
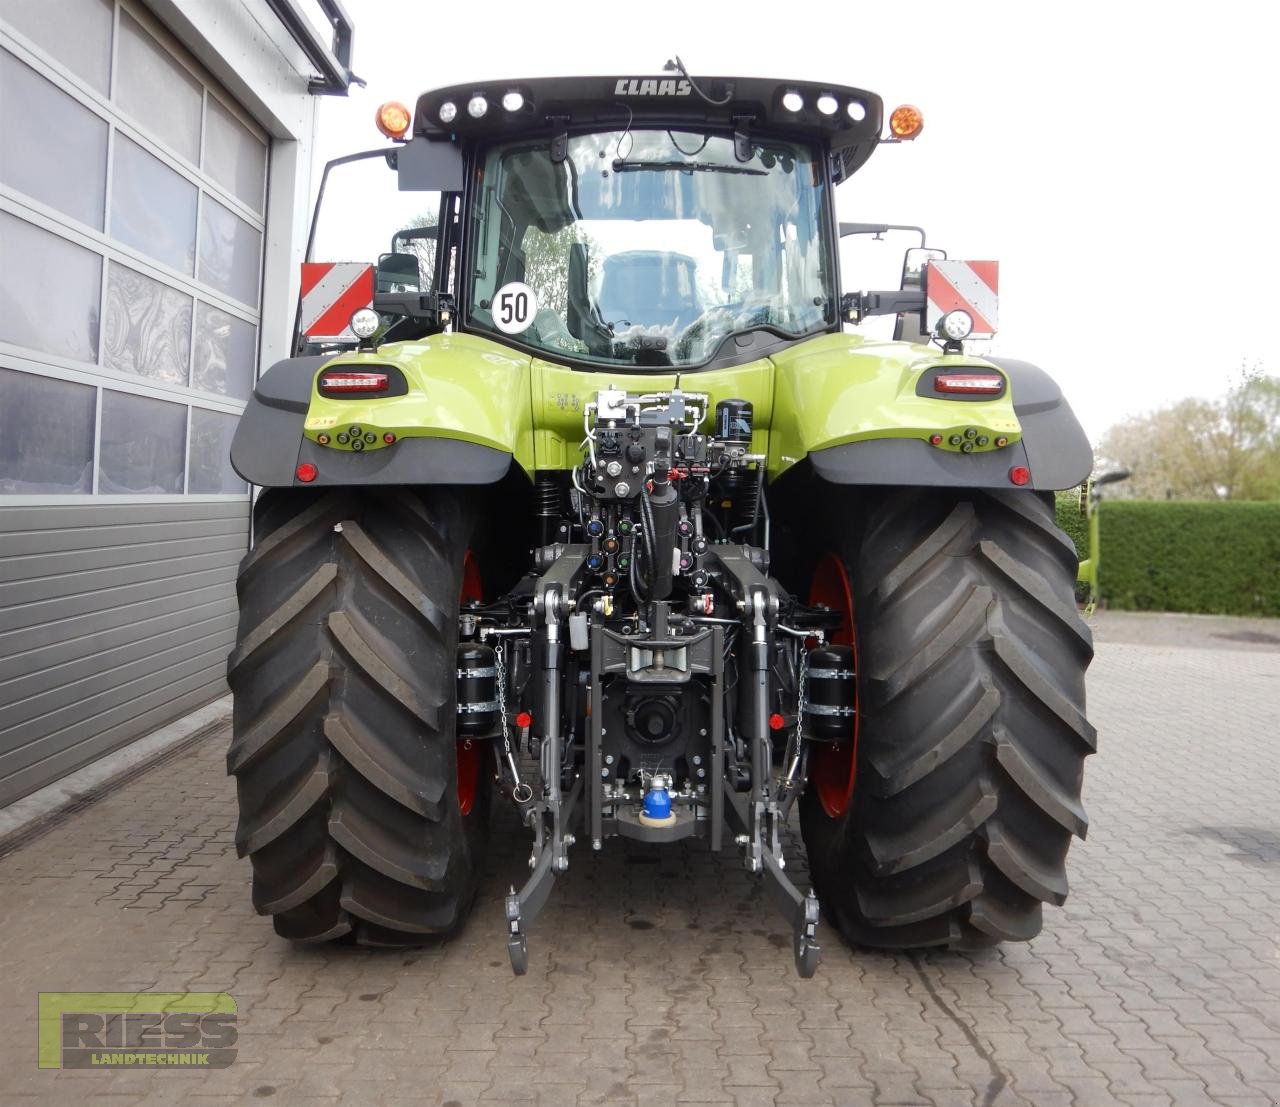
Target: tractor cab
[{"x": 665, "y": 222}]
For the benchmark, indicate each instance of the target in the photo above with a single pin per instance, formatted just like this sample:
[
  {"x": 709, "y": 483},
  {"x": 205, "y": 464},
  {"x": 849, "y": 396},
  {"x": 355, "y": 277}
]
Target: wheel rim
[
  {"x": 833, "y": 769},
  {"x": 469, "y": 751}
]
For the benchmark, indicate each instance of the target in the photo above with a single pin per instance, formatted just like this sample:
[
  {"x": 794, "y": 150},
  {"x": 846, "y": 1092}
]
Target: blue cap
[{"x": 657, "y": 804}]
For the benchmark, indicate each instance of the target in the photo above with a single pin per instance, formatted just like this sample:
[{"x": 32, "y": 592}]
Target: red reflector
[
  {"x": 935, "y": 440},
  {"x": 388, "y": 438},
  {"x": 524, "y": 719},
  {"x": 1020, "y": 474},
  {"x": 971, "y": 384},
  {"x": 349, "y": 381},
  {"x": 776, "y": 721},
  {"x": 306, "y": 472}
]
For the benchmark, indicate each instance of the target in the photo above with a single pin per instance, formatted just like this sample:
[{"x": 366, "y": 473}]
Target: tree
[
  {"x": 1202, "y": 449},
  {"x": 423, "y": 248},
  {"x": 546, "y": 264}
]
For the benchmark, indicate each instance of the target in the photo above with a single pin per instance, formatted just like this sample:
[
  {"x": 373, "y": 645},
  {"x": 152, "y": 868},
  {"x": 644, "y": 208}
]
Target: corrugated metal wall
[
  {"x": 133, "y": 215},
  {"x": 114, "y": 619}
]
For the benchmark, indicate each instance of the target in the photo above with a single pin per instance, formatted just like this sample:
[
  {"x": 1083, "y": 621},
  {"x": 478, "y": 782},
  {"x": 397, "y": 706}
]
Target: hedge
[
  {"x": 1072, "y": 520},
  {"x": 1218, "y": 558}
]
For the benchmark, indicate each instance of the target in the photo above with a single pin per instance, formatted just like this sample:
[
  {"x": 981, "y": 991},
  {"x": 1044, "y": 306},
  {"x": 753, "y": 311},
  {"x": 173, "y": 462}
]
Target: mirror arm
[
  {"x": 857, "y": 306},
  {"x": 436, "y": 308},
  {"x": 847, "y": 229}
]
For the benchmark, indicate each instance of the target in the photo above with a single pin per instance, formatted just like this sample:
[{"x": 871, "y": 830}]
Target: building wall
[{"x": 154, "y": 172}]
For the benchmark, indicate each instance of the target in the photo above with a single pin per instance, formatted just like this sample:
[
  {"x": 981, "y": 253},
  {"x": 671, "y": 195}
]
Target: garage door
[{"x": 132, "y": 200}]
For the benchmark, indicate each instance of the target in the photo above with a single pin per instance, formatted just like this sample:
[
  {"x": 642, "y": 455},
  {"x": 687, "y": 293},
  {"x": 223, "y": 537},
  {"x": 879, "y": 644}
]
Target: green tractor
[{"x": 581, "y": 498}]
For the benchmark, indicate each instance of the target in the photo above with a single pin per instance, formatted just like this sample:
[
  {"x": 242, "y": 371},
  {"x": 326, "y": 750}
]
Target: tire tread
[
  {"x": 973, "y": 731},
  {"x": 343, "y": 745}
]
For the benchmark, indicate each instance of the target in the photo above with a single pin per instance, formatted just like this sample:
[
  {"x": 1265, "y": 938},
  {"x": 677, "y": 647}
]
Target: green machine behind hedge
[{"x": 579, "y": 496}]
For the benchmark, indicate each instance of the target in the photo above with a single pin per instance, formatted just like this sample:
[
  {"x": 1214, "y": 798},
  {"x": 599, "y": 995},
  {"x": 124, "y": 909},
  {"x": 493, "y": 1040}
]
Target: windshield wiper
[{"x": 620, "y": 166}]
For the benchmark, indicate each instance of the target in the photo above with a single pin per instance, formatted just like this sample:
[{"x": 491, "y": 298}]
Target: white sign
[{"x": 514, "y": 307}]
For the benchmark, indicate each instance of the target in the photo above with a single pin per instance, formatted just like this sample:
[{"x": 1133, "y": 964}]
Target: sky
[{"x": 1119, "y": 159}]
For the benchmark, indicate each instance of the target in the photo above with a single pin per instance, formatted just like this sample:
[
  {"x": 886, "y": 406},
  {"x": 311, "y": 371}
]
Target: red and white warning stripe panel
[
  {"x": 970, "y": 286},
  {"x": 331, "y": 292}
]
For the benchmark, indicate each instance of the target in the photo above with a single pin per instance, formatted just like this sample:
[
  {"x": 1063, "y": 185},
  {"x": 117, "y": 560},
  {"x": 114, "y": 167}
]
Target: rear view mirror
[
  {"x": 913, "y": 263},
  {"x": 398, "y": 273}
]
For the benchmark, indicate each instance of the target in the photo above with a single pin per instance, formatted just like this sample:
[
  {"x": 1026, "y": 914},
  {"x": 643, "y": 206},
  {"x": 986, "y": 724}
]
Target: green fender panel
[
  {"x": 462, "y": 418},
  {"x": 858, "y": 410},
  {"x": 845, "y": 388}
]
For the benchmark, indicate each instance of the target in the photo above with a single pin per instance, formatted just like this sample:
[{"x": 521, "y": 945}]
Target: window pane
[
  {"x": 49, "y": 290},
  {"x": 67, "y": 171},
  {"x": 148, "y": 326},
  {"x": 154, "y": 88},
  {"x": 210, "y": 470},
  {"x": 228, "y": 252},
  {"x": 143, "y": 444},
  {"x": 233, "y": 156},
  {"x": 152, "y": 208},
  {"x": 86, "y": 51},
  {"x": 46, "y": 434},
  {"x": 225, "y": 353}
]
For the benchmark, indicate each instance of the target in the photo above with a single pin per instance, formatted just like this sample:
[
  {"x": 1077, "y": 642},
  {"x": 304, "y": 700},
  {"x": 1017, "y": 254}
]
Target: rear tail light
[
  {"x": 347, "y": 381},
  {"x": 969, "y": 384}
]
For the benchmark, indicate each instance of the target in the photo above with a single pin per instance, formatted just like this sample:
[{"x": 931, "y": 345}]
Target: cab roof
[{"x": 850, "y": 124}]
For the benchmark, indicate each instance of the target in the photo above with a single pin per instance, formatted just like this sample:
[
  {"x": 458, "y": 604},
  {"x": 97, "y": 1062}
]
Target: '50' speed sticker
[{"x": 514, "y": 307}]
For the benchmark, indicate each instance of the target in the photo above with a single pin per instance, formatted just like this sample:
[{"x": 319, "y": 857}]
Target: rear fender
[
  {"x": 461, "y": 416},
  {"x": 863, "y": 412}
]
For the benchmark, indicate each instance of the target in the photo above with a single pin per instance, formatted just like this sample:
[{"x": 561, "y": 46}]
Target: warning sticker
[
  {"x": 970, "y": 286},
  {"x": 514, "y": 307}
]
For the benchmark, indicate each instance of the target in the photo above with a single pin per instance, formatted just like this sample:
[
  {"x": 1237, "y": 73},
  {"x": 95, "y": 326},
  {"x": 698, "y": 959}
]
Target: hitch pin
[{"x": 520, "y": 791}]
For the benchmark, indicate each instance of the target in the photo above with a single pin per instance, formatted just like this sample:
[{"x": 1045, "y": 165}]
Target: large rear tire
[
  {"x": 949, "y": 822},
  {"x": 344, "y": 747}
]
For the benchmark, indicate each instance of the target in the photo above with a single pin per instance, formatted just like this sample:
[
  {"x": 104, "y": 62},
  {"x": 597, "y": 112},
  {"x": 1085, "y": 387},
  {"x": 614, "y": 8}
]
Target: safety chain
[
  {"x": 520, "y": 792},
  {"x": 802, "y": 693},
  {"x": 500, "y": 664}
]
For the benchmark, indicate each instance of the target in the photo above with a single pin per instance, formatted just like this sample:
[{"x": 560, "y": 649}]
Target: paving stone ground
[{"x": 663, "y": 976}]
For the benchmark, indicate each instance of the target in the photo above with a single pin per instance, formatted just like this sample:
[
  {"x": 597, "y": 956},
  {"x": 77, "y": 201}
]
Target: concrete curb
[{"x": 23, "y": 814}]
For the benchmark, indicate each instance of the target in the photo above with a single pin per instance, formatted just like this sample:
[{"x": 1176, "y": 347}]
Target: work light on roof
[
  {"x": 477, "y": 106},
  {"x": 857, "y": 110},
  {"x": 792, "y": 101},
  {"x": 448, "y": 111},
  {"x": 513, "y": 101},
  {"x": 828, "y": 104}
]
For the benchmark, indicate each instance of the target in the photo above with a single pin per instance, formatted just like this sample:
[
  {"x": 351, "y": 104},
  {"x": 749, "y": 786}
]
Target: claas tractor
[{"x": 589, "y": 490}]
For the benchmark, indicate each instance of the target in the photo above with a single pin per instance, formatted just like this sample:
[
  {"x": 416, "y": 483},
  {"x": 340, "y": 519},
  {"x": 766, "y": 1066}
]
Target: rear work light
[
  {"x": 345, "y": 381},
  {"x": 969, "y": 384}
]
